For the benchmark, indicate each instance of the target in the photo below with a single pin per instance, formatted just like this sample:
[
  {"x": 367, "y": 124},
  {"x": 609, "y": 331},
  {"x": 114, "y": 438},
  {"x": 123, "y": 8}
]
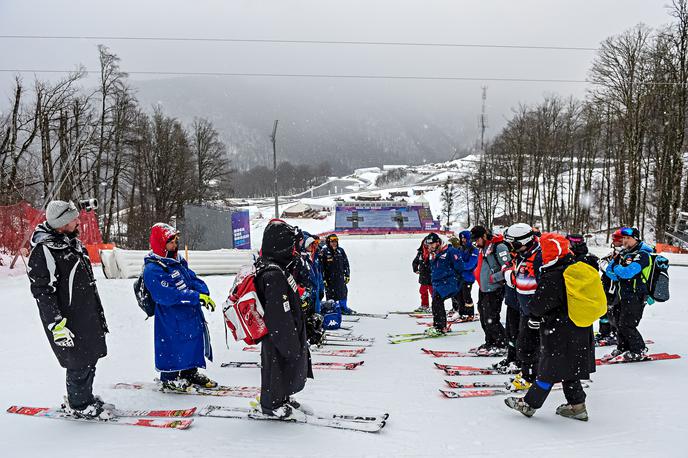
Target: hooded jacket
[
  {"x": 469, "y": 256},
  {"x": 285, "y": 357},
  {"x": 63, "y": 285},
  {"x": 447, "y": 271},
  {"x": 182, "y": 340},
  {"x": 421, "y": 264}
]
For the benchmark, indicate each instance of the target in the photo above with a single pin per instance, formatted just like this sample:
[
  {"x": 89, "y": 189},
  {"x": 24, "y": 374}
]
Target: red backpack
[{"x": 243, "y": 310}]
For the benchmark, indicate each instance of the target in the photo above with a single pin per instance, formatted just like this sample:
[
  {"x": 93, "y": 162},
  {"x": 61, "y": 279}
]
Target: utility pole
[
  {"x": 273, "y": 138},
  {"x": 483, "y": 121}
]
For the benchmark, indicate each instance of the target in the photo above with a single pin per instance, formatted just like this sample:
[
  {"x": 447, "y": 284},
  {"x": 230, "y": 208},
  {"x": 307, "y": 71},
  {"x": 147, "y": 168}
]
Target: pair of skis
[
  {"x": 331, "y": 366},
  {"x": 233, "y": 391},
  {"x": 450, "y": 322},
  {"x": 120, "y": 417},
  {"x": 349, "y": 353},
  {"x": 472, "y": 353},
  {"x": 415, "y": 336},
  {"x": 486, "y": 389},
  {"x": 608, "y": 359},
  {"x": 364, "y": 423}
]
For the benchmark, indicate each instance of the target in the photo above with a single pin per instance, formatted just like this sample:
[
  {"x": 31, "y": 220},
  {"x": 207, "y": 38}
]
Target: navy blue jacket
[
  {"x": 181, "y": 336},
  {"x": 447, "y": 271},
  {"x": 627, "y": 270},
  {"x": 469, "y": 256},
  {"x": 335, "y": 267}
]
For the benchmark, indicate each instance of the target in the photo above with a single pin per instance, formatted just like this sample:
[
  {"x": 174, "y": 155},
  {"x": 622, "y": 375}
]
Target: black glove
[{"x": 314, "y": 330}]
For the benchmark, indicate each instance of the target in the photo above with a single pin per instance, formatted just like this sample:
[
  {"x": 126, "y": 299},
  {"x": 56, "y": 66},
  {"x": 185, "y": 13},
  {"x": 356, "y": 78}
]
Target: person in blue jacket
[
  {"x": 447, "y": 278},
  {"x": 316, "y": 285},
  {"x": 336, "y": 272},
  {"x": 462, "y": 303},
  {"x": 629, "y": 269},
  {"x": 182, "y": 341}
]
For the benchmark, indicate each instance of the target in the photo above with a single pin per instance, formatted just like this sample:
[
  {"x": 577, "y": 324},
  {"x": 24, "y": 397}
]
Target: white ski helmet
[{"x": 519, "y": 234}]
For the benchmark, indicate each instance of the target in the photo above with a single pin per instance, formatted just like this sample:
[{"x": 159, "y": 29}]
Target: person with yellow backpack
[{"x": 568, "y": 300}]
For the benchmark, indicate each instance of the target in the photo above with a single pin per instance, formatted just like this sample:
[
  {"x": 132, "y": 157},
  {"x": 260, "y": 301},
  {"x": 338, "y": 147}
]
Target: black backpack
[
  {"x": 657, "y": 279},
  {"x": 143, "y": 296}
]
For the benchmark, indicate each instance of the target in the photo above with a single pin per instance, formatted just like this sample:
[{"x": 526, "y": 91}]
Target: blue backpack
[{"x": 332, "y": 314}]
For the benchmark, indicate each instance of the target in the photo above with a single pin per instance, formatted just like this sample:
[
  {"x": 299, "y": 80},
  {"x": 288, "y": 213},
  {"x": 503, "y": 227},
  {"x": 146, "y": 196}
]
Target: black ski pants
[
  {"x": 439, "y": 314},
  {"x": 528, "y": 349},
  {"x": 463, "y": 302},
  {"x": 538, "y": 392},
  {"x": 490, "y": 307},
  {"x": 80, "y": 386},
  {"x": 513, "y": 319},
  {"x": 630, "y": 313}
]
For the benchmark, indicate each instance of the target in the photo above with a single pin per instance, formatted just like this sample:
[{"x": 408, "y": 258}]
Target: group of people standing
[
  {"x": 293, "y": 274},
  {"x": 525, "y": 269}
]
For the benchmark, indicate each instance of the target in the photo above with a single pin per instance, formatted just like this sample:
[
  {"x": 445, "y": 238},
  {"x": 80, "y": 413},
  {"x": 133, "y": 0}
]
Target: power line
[
  {"x": 302, "y": 42},
  {"x": 314, "y": 75}
]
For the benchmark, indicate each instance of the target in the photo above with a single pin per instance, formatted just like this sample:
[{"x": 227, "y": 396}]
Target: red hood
[
  {"x": 496, "y": 239},
  {"x": 160, "y": 234}
]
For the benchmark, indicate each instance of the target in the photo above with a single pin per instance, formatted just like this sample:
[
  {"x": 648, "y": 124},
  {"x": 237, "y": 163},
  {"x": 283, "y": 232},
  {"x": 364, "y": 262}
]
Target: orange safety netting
[{"x": 19, "y": 220}]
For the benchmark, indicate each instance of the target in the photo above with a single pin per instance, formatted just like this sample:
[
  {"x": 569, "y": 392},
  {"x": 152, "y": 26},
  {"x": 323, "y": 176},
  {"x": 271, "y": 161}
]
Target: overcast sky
[{"x": 576, "y": 23}]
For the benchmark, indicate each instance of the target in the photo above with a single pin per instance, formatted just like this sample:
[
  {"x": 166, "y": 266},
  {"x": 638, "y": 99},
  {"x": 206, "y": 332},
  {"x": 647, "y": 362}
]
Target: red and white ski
[
  {"x": 620, "y": 360},
  {"x": 234, "y": 391},
  {"x": 334, "y": 366},
  {"x": 59, "y": 414},
  {"x": 456, "y": 354}
]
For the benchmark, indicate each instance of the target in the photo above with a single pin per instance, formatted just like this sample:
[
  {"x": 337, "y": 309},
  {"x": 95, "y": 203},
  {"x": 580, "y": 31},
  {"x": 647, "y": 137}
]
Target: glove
[
  {"x": 534, "y": 323},
  {"x": 508, "y": 278},
  {"x": 207, "y": 302},
  {"x": 62, "y": 336},
  {"x": 346, "y": 280}
]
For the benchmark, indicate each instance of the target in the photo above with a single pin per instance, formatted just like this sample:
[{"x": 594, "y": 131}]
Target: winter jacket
[
  {"x": 335, "y": 267},
  {"x": 63, "y": 285},
  {"x": 421, "y": 265},
  {"x": 285, "y": 358},
  {"x": 627, "y": 269},
  {"x": 469, "y": 256},
  {"x": 567, "y": 352},
  {"x": 447, "y": 271},
  {"x": 491, "y": 259},
  {"x": 181, "y": 335},
  {"x": 315, "y": 287}
]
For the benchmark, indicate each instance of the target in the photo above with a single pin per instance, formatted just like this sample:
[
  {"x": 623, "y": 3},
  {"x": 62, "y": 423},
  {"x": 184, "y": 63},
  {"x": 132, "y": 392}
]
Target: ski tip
[
  {"x": 179, "y": 424},
  {"x": 426, "y": 351}
]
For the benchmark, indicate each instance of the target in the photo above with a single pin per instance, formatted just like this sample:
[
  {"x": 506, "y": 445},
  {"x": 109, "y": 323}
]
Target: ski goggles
[
  {"x": 627, "y": 231},
  {"x": 70, "y": 208},
  {"x": 575, "y": 238}
]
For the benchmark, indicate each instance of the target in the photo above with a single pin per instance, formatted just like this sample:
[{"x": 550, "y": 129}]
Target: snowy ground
[{"x": 635, "y": 409}]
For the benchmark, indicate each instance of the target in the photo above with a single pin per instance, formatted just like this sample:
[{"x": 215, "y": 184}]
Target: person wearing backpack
[
  {"x": 627, "y": 269},
  {"x": 568, "y": 351},
  {"x": 182, "y": 341},
  {"x": 421, "y": 267},
  {"x": 493, "y": 255},
  {"x": 285, "y": 357},
  {"x": 70, "y": 309}
]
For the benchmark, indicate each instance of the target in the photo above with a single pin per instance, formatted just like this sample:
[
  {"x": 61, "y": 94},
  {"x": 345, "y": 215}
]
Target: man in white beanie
[{"x": 63, "y": 285}]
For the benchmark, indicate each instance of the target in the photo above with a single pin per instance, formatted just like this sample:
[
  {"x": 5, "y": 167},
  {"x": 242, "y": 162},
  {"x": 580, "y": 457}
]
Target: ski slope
[{"x": 635, "y": 409}]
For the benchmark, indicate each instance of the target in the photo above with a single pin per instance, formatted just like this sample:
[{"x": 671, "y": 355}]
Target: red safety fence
[{"x": 19, "y": 220}]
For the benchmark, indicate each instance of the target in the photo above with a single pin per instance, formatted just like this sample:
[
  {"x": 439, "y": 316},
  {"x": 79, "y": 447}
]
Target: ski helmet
[
  {"x": 630, "y": 232},
  {"x": 519, "y": 234},
  {"x": 616, "y": 237},
  {"x": 432, "y": 238}
]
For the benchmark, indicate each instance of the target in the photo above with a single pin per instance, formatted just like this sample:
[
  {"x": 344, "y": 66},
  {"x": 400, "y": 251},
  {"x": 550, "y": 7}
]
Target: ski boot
[
  {"x": 452, "y": 315},
  {"x": 422, "y": 309},
  {"x": 519, "y": 405},
  {"x": 434, "y": 332},
  {"x": 632, "y": 356},
  {"x": 93, "y": 411},
  {"x": 575, "y": 411},
  {"x": 284, "y": 412},
  {"x": 201, "y": 380},
  {"x": 180, "y": 385}
]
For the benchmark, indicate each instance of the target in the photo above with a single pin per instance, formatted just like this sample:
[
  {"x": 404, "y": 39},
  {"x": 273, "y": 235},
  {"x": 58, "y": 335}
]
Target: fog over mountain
[{"x": 345, "y": 123}]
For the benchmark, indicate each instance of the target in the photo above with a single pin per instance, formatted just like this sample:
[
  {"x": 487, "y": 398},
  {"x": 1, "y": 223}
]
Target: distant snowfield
[{"x": 635, "y": 409}]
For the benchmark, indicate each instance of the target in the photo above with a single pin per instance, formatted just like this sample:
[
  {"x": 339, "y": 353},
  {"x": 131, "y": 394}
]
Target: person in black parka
[
  {"x": 285, "y": 357},
  {"x": 567, "y": 352},
  {"x": 64, "y": 287}
]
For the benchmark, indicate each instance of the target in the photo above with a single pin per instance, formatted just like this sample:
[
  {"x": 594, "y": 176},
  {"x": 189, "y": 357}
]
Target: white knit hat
[{"x": 60, "y": 213}]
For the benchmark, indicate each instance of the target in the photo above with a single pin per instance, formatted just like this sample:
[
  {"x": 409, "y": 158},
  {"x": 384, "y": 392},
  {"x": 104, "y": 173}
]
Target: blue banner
[{"x": 241, "y": 230}]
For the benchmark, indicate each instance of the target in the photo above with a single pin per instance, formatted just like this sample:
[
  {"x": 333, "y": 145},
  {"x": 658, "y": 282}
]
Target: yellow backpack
[{"x": 585, "y": 294}]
